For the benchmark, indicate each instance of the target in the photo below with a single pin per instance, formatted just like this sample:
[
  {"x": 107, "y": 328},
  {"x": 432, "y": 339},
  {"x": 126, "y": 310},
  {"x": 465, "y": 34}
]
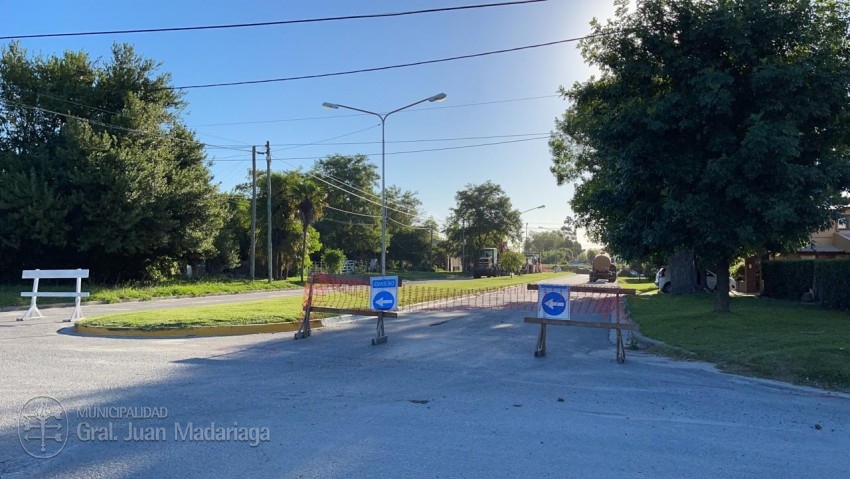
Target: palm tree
[{"x": 310, "y": 205}]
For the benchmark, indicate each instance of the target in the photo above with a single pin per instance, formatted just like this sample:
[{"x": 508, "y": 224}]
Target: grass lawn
[
  {"x": 282, "y": 310},
  {"x": 640, "y": 285},
  {"x": 761, "y": 337},
  {"x": 10, "y": 295}
]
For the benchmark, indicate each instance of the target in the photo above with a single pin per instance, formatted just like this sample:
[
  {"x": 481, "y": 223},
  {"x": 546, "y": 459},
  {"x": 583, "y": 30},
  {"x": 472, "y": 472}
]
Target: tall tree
[
  {"x": 721, "y": 127},
  {"x": 96, "y": 168},
  {"x": 483, "y": 218},
  {"x": 311, "y": 198},
  {"x": 352, "y": 219}
]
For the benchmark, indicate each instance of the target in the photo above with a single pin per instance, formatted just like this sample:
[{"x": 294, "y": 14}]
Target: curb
[{"x": 201, "y": 331}]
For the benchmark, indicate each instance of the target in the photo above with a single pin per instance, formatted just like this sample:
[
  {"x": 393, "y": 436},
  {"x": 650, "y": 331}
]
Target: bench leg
[
  {"x": 541, "y": 342},
  {"x": 33, "y": 312},
  {"x": 77, "y": 314}
]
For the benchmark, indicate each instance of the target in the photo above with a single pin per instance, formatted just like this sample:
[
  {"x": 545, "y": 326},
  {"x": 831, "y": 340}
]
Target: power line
[
  {"x": 332, "y": 117},
  {"x": 383, "y": 68},
  {"x": 267, "y": 24},
  {"x": 351, "y": 212},
  {"x": 477, "y": 145},
  {"x": 296, "y": 145},
  {"x": 126, "y": 129}
]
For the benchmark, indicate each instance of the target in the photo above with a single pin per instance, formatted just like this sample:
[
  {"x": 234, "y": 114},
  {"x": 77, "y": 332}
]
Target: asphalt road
[{"x": 450, "y": 395}]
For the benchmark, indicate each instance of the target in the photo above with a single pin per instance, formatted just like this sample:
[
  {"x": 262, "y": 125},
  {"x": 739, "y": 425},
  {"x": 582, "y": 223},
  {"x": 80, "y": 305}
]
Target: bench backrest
[{"x": 55, "y": 273}]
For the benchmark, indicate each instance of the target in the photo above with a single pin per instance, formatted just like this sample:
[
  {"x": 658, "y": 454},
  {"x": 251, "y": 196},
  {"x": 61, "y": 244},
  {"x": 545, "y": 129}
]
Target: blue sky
[{"x": 494, "y": 99}]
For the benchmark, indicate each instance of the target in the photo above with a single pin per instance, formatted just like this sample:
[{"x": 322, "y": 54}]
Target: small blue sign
[
  {"x": 383, "y": 301},
  {"x": 554, "y": 303},
  {"x": 384, "y": 282}
]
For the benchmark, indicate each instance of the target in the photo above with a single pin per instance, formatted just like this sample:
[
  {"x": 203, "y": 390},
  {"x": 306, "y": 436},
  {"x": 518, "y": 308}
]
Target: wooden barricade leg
[
  {"x": 304, "y": 329},
  {"x": 621, "y": 350},
  {"x": 380, "y": 337},
  {"x": 541, "y": 342}
]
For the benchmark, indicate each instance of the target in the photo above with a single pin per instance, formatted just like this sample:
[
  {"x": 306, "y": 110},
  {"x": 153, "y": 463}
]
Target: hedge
[{"x": 791, "y": 279}]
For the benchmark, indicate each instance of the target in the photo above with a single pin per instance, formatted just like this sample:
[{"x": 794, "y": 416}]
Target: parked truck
[
  {"x": 487, "y": 264},
  {"x": 603, "y": 268}
]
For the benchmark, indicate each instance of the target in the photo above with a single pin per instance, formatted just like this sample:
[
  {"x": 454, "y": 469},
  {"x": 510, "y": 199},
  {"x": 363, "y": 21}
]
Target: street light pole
[
  {"x": 526, "y": 223},
  {"x": 334, "y": 106}
]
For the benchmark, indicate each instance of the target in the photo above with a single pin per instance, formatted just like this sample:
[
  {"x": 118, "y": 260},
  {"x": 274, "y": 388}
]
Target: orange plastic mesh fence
[{"x": 352, "y": 292}]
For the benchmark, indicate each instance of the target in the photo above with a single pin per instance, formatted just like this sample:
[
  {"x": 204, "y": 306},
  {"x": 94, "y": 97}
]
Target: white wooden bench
[{"x": 37, "y": 274}]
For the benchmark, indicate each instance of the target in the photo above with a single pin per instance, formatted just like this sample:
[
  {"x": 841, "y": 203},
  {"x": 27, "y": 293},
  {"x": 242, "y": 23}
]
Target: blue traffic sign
[
  {"x": 383, "y": 301},
  {"x": 554, "y": 303}
]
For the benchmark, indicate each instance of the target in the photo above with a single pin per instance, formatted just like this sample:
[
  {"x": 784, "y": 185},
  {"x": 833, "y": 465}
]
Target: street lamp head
[
  {"x": 438, "y": 97},
  {"x": 330, "y": 106}
]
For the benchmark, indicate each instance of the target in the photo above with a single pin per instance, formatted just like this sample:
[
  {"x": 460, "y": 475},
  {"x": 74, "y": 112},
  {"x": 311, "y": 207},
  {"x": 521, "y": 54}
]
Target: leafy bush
[
  {"x": 160, "y": 270},
  {"x": 511, "y": 261},
  {"x": 333, "y": 259}
]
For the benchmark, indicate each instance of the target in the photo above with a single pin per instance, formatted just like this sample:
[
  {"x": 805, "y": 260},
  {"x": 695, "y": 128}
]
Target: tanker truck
[{"x": 603, "y": 268}]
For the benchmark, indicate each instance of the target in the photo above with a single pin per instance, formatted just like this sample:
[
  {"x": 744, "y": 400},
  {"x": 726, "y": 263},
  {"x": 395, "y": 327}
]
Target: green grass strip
[
  {"x": 803, "y": 344},
  {"x": 281, "y": 310}
]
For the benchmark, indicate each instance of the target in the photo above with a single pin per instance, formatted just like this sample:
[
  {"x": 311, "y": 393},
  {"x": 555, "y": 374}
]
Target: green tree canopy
[
  {"x": 720, "y": 127},
  {"x": 96, "y": 169},
  {"x": 483, "y": 218},
  {"x": 351, "y": 221}
]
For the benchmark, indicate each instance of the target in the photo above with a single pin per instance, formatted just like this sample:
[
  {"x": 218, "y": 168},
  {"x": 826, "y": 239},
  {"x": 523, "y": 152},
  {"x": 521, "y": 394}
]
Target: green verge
[
  {"x": 281, "y": 310},
  {"x": 10, "y": 295},
  {"x": 761, "y": 337},
  {"x": 640, "y": 285},
  {"x": 276, "y": 310}
]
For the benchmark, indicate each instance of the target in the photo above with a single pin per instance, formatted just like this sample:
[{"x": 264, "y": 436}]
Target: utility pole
[
  {"x": 253, "y": 210},
  {"x": 269, "y": 204},
  {"x": 463, "y": 246}
]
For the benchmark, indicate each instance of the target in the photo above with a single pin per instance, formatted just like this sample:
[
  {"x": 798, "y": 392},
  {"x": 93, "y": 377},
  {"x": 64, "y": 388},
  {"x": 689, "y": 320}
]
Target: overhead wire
[
  {"x": 267, "y": 24},
  {"x": 386, "y": 67},
  {"x": 348, "y": 115},
  {"x": 433, "y": 149},
  {"x": 122, "y": 128}
]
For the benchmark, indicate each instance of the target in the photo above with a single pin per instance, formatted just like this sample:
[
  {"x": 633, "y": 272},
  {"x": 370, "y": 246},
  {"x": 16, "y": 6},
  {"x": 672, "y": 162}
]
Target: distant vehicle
[
  {"x": 662, "y": 280},
  {"x": 603, "y": 268},
  {"x": 487, "y": 264},
  {"x": 532, "y": 263}
]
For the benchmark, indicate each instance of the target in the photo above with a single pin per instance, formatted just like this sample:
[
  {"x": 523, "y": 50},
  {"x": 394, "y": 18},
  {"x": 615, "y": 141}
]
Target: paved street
[{"x": 450, "y": 395}]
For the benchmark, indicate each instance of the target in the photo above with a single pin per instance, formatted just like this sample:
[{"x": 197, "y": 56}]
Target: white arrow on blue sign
[
  {"x": 554, "y": 301},
  {"x": 383, "y": 291}
]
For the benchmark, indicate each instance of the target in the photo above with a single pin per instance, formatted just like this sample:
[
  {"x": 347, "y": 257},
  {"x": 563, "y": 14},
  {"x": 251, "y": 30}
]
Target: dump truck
[
  {"x": 603, "y": 268},
  {"x": 487, "y": 264}
]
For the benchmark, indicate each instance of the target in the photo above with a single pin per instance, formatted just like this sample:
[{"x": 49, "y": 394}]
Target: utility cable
[
  {"x": 387, "y": 67},
  {"x": 348, "y": 115},
  {"x": 122, "y": 128},
  {"x": 267, "y": 24}
]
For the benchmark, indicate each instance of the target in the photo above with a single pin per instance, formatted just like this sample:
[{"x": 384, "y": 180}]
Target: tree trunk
[
  {"x": 683, "y": 276},
  {"x": 721, "y": 292},
  {"x": 303, "y": 253}
]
